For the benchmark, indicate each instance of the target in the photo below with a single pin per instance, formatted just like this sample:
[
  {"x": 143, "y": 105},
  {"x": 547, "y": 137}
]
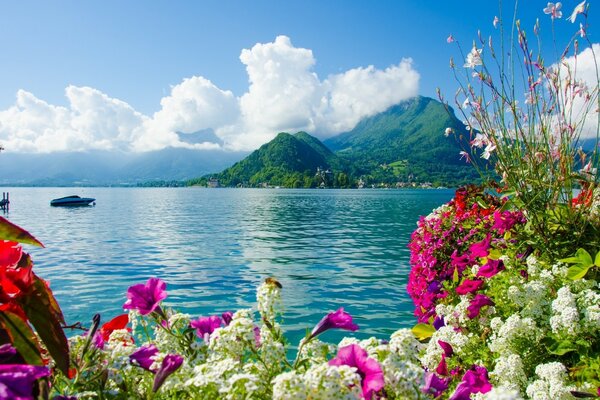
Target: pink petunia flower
[
  {"x": 480, "y": 249},
  {"x": 474, "y": 380},
  {"x": 204, "y": 326},
  {"x": 334, "y": 320},
  {"x": 469, "y": 286},
  {"x": 144, "y": 356},
  {"x": 491, "y": 268},
  {"x": 145, "y": 298},
  {"x": 369, "y": 370},
  {"x": 170, "y": 364},
  {"x": 227, "y": 316},
  {"x": 435, "y": 385},
  {"x": 478, "y": 301}
]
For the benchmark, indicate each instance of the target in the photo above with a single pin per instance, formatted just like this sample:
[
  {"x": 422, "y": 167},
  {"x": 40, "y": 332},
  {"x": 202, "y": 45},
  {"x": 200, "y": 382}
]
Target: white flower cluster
[
  {"x": 455, "y": 315},
  {"x": 499, "y": 393},
  {"x": 509, "y": 373},
  {"x": 513, "y": 335},
  {"x": 234, "y": 339},
  {"x": 565, "y": 318},
  {"x": 268, "y": 297},
  {"x": 531, "y": 298},
  {"x": 320, "y": 382},
  {"x": 433, "y": 352},
  {"x": 551, "y": 385}
]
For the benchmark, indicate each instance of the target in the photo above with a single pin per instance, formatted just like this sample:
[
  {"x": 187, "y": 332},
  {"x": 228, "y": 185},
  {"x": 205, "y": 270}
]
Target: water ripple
[{"x": 329, "y": 248}]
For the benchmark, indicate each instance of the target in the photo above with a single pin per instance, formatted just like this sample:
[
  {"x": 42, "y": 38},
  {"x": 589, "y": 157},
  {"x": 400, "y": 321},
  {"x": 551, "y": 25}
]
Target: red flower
[
  {"x": 118, "y": 322},
  {"x": 15, "y": 271}
]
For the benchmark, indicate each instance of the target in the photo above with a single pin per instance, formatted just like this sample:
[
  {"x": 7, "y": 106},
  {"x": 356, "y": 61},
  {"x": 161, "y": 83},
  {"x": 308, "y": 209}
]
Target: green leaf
[
  {"x": 562, "y": 348},
  {"x": 577, "y": 272},
  {"x": 21, "y": 337},
  {"x": 423, "y": 331},
  {"x": 45, "y": 315},
  {"x": 10, "y": 231},
  {"x": 597, "y": 260},
  {"x": 584, "y": 257},
  {"x": 495, "y": 254},
  {"x": 455, "y": 275}
]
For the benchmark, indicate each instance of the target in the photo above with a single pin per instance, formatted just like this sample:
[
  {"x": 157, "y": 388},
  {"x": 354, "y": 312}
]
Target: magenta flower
[
  {"x": 143, "y": 357},
  {"x": 334, "y": 320},
  {"x": 442, "y": 368},
  {"x": 480, "y": 249},
  {"x": 369, "y": 370},
  {"x": 145, "y": 297},
  {"x": 505, "y": 220},
  {"x": 17, "y": 380},
  {"x": 434, "y": 385},
  {"x": 469, "y": 286},
  {"x": 205, "y": 326},
  {"x": 491, "y": 268},
  {"x": 170, "y": 364},
  {"x": 478, "y": 301},
  {"x": 447, "y": 347},
  {"x": 474, "y": 380},
  {"x": 227, "y": 316}
]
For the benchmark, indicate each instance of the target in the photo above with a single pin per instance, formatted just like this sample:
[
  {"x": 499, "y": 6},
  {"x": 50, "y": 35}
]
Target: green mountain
[
  {"x": 403, "y": 145},
  {"x": 407, "y": 143},
  {"x": 298, "y": 160}
]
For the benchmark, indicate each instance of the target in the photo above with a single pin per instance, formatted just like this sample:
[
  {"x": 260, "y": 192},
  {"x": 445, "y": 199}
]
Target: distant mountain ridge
[
  {"x": 401, "y": 146},
  {"x": 99, "y": 168}
]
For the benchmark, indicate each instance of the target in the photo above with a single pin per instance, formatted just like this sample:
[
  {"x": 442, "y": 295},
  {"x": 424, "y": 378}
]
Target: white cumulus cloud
[{"x": 284, "y": 94}]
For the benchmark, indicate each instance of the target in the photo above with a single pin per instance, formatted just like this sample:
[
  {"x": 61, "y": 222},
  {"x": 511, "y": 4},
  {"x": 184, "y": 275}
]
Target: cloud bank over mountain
[{"x": 284, "y": 94}]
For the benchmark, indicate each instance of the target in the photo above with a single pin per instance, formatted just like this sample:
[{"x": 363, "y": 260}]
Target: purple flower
[
  {"x": 334, "y": 320},
  {"x": 474, "y": 380},
  {"x": 478, "y": 301},
  {"x": 491, "y": 268},
  {"x": 227, "y": 316},
  {"x": 369, "y": 370},
  {"x": 64, "y": 397},
  {"x": 205, "y": 326},
  {"x": 434, "y": 287},
  {"x": 442, "y": 368},
  {"x": 143, "y": 356},
  {"x": 438, "y": 322},
  {"x": 469, "y": 286},
  {"x": 257, "y": 338},
  {"x": 17, "y": 380},
  {"x": 145, "y": 297},
  {"x": 434, "y": 385},
  {"x": 170, "y": 364},
  {"x": 7, "y": 352}
]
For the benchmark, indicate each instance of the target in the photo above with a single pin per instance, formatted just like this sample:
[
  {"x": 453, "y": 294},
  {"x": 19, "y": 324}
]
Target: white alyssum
[
  {"x": 499, "y": 393},
  {"x": 233, "y": 340},
  {"x": 433, "y": 352},
  {"x": 551, "y": 384},
  {"x": 588, "y": 301},
  {"x": 455, "y": 315},
  {"x": 268, "y": 297},
  {"x": 509, "y": 373},
  {"x": 511, "y": 335},
  {"x": 565, "y": 318}
]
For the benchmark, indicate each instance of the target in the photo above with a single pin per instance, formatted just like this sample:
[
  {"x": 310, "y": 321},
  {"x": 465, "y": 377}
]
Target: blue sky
[{"x": 137, "y": 51}]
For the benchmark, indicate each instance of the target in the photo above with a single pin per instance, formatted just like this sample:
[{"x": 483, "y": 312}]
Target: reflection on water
[{"x": 329, "y": 248}]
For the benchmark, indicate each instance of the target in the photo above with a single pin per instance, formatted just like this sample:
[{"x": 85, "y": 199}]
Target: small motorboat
[{"x": 72, "y": 201}]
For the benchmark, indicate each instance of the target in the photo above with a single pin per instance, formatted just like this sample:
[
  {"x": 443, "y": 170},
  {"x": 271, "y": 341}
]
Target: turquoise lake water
[{"x": 328, "y": 248}]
